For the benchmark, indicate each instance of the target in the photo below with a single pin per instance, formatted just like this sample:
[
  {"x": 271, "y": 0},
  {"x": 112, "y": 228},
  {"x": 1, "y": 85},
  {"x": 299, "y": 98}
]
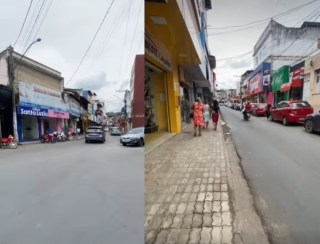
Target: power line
[
  {"x": 134, "y": 34},
  {"x": 29, "y": 25},
  {"x": 44, "y": 17},
  {"x": 244, "y": 54},
  {"x": 266, "y": 19},
  {"x": 125, "y": 40},
  {"x": 93, "y": 39},
  {"x": 25, "y": 19},
  {"x": 35, "y": 22}
]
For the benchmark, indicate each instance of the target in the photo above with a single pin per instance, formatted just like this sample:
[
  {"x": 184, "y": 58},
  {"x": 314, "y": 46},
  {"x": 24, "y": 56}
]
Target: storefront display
[{"x": 150, "y": 123}]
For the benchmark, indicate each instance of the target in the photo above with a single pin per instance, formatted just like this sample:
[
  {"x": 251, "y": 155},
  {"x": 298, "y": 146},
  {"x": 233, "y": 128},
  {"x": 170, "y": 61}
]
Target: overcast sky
[
  {"x": 235, "y": 12},
  {"x": 66, "y": 33}
]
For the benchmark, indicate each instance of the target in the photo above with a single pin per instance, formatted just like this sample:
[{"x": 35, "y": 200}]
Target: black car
[
  {"x": 312, "y": 123},
  {"x": 95, "y": 133}
]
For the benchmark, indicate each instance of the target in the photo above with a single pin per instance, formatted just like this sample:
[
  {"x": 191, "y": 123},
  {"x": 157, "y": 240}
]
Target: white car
[{"x": 133, "y": 137}]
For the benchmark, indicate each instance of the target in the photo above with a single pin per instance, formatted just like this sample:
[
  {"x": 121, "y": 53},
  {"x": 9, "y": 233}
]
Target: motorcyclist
[
  {"x": 246, "y": 110},
  {"x": 248, "y": 107}
]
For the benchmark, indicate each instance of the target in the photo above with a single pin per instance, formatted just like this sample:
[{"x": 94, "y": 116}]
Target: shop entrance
[
  {"x": 30, "y": 127},
  {"x": 185, "y": 105},
  {"x": 155, "y": 100}
]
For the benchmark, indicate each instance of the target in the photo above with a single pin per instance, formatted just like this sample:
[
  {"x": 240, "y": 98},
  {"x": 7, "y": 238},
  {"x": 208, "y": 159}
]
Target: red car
[
  {"x": 259, "y": 109},
  {"x": 291, "y": 112}
]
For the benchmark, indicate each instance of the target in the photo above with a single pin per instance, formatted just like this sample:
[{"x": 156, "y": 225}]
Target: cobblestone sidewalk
[{"x": 186, "y": 191}]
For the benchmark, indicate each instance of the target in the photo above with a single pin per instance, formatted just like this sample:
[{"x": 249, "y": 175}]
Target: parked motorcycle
[
  {"x": 70, "y": 136},
  {"x": 60, "y": 137},
  {"x": 48, "y": 138},
  {"x": 9, "y": 142}
]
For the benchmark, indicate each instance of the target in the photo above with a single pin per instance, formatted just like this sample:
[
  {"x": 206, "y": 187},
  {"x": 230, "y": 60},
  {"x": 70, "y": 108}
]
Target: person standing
[
  {"x": 198, "y": 109},
  {"x": 206, "y": 115},
  {"x": 215, "y": 114}
]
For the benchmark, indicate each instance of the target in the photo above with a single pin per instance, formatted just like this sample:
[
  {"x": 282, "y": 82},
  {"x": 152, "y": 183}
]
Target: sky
[
  {"x": 234, "y": 42},
  {"x": 67, "y": 28}
]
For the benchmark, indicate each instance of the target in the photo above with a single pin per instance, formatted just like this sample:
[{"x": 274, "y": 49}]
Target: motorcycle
[
  {"x": 70, "y": 136},
  {"x": 48, "y": 138},
  {"x": 246, "y": 115},
  {"x": 9, "y": 142},
  {"x": 60, "y": 137}
]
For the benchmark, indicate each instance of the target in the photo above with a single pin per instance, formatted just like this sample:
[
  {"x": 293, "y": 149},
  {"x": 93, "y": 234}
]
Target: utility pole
[{"x": 14, "y": 85}]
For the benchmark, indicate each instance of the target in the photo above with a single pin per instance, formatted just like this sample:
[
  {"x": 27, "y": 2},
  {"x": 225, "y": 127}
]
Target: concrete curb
[{"x": 247, "y": 224}]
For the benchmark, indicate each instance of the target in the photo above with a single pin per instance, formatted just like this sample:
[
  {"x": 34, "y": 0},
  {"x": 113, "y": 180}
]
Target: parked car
[
  {"x": 291, "y": 112},
  {"x": 115, "y": 131},
  {"x": 237, "y": 106},
  {"x": 133, "y": 137},
  {"x": 259, "y": 109},
  {"x": 312, "y": 123},
  {"x": 95, "y": 133}
]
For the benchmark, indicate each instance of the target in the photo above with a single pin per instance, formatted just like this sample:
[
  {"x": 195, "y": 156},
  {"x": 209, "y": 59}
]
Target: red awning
[
  {"x": 293, "y": 83},
  {"x": 296, "y": 83},
  {"x": 285, "y": 87}
]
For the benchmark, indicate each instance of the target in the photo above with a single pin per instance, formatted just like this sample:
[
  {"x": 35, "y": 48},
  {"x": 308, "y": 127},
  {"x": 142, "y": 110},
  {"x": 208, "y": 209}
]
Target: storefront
[
  {"x": 166, "y": 50},
  {"x": 40, "y": 109},
  {"x": 280, "y": 77},
  {"x": 6, "y": 115},
  {"x": 74, "y": 111},
  {"x": 259, "y": 81},
  {"x": 155, "y": 95},
  {"x": 295, "y": 84}
]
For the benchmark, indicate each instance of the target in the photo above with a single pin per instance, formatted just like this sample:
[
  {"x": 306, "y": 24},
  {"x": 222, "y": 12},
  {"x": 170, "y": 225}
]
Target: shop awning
[{"x": 293, "y": 83}]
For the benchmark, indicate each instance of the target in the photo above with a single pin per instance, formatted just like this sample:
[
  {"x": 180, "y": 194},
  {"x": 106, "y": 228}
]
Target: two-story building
[{"x": 37, "y": 101}]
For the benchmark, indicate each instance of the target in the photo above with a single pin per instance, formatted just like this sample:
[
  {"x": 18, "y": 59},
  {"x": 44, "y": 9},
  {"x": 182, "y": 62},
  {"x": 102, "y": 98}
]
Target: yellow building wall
[
  {"x": 172, "y": 95},
  {"x": 314, "y": 99}
]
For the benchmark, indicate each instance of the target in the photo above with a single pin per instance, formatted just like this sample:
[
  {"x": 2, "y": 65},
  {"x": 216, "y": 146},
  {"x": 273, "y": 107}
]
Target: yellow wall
[{"x": 172, "y": 95}]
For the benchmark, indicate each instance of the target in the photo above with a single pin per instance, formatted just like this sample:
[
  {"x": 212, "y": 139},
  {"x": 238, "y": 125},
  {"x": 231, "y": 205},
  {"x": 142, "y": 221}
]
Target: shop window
[{"x": 318, "y": 80}]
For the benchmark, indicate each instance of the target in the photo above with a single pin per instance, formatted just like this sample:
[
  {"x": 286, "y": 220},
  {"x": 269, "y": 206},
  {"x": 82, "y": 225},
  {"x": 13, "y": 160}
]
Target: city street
[
  {"x": 72, "y": 192},
  {"x": 283, "y": 169}
]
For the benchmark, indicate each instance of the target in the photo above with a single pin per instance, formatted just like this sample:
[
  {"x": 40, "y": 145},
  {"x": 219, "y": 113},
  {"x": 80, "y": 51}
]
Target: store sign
[
  {"x": 32, "y": 95},
  {"x": 266, "y": 79},
  {"x": 23, "y": 110},
  {"x": 152, "y": 50},
  {"x": 58, "y": 114},
  {"x": 74, "y": 107},
  {"x": 255, "y": 84}
]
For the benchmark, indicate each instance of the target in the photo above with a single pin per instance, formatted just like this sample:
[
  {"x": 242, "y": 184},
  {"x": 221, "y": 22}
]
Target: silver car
[{"x": 133, "y": 137}]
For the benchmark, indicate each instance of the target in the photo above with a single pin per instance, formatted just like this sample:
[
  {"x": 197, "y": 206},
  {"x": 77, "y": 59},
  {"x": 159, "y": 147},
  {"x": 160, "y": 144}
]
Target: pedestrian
[
  {"x": 215, "y": 114},
  {"x": 267, "y": 112},
  {"x": 206, "y": 115},
  {"x": 198, "y": 109}
]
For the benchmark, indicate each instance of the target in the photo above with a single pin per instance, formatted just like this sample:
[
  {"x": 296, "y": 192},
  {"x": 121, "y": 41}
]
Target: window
[
  {"x": 306, "y": 77},
  {"x": 318, "y": 75},
  {"x": 300, "y": 105}
]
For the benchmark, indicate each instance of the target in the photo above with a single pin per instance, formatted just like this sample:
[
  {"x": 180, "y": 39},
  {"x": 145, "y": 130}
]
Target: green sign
[{"x": 279, "y": 77}]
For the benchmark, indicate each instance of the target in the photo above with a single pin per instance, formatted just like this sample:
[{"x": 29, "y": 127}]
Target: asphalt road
[
  {"x": 282, "y": 165},
  {"x": 72, "y": 193}
]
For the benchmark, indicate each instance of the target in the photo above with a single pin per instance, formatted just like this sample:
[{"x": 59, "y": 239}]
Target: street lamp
[{"x": 38, "y": 40}]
